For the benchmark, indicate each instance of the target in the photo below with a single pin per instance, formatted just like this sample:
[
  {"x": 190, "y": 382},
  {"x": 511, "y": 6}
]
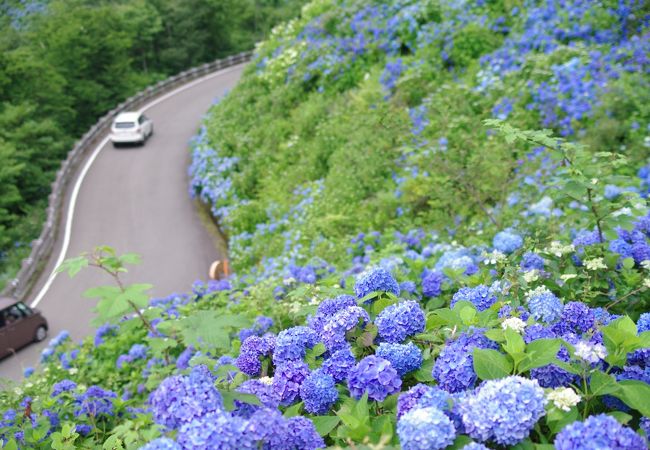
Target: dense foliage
[
  {"x": 65, "y": 63},
  {"x": 418, "y": 267}
]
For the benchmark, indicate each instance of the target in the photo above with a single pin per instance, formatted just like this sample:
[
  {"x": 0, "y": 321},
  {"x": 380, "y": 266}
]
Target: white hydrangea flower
[
  {"x": 514, "y": 323},
  {"x": 266, "y": 380},
  {"x": 646, "y": 282},
  {"x": 558, "y": 249},
  {"x": 567, "y": 276},
  {"x": 646, "y": 264},
  {"x": 590, "y": 352},
  {"x": 537, "y": 291},
  {"x": 531, "y": 275},
  {"x": 595, "y": 264},
  {"x": 563, "y": 398},
  {"x": 493, "y": 257}
]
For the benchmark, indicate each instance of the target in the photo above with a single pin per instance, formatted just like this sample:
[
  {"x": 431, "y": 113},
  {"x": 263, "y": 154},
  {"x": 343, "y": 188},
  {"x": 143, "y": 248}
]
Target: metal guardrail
[{"x": 42, "y": 247}]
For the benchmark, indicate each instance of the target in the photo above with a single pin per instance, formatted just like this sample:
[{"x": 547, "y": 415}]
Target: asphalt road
[{"x": 134, "y": 199}]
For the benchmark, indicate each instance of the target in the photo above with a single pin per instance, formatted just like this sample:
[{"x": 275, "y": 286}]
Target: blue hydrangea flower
[
  {"x": 475, "y": 446},
  {"x": 215, "y": 429},
  {"x": 408, "y": 286},
  {"x": 261, "y": 388},
  {"x": 425, "y": 429},
  {"x": 327, "y": 309},
  {"x": 432, "y": 281},
  {"x": 644, "y": 424},
  {"x": 252, "y": 349},
  {"x": 399, "y": 321},
  {"x": 504, "y": 410},
  {"x": 531, "y": 261},
  {"x": 480, "y": 296},
  {"x": 409, "y": 399},
  {"x": 162, "y": 443},
  {"x": 374, "y": 376},
  {"x": 544, "y": 306},
  {"x": 576, "y": 318},
  {"x": 454, "y": 367},
  {"x": 339, "y": 364},
  {"x": 598, "y": 432},
  {"x": 507, "y": 242},
  {"x": 376, "y": 279},
  {"x": 183, "y": 360},
  {"x": 95, "y": 401},
  {"x": 269, "y": 428},
  {"x": 287, "y": 380},
  {"x": 63, "y": 386},
  {"x": 260, "y": 326},
  {"x": 303, "y": 434},
  {"x": 404, "y": 358},
  {"x": 318, "y": 391},
  {"x": 178, "y": 399},
  {"x": 28, "y": 372},
  {"x": 334, "y": 331},
  {"x": 292, "y": 344},
  {"x": 643, "y": 324},
  {"x": 506, "y": 311},
  {"x": 553, "y": 376}
]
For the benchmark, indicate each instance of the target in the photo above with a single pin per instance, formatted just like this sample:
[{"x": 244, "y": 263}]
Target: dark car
[{"x": 19, "y": 325}]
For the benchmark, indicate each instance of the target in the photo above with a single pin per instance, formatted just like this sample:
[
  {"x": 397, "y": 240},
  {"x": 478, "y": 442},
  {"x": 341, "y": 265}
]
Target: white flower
[
  {"x": 646, "y": 283},
  {"x": 537, "y": 291},
  {"x": 590, "y": 352},
  {"x": 564, "y": 398},
  {"x": 266, "y": 380},
  {"x": 558, "y": 249},
  {"x": 567, "y": 276},
  {"x": 73, "y": 370},
  {"x": 289, "y": 281},
  {"x": 646, "y": 264},
  {"x": 595, "y": 264},
  {"x": 531, "y": 275},
  {"x": 514, "y": 323},
  {"x": 494, "y": 257}
]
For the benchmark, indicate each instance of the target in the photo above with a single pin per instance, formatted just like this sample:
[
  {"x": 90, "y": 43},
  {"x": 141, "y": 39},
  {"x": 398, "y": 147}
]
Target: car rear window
[{"x": 124, "y": 124}]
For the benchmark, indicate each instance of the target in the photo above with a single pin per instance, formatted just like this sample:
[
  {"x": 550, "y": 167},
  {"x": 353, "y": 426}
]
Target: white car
[{"x": 131, "y": 127}]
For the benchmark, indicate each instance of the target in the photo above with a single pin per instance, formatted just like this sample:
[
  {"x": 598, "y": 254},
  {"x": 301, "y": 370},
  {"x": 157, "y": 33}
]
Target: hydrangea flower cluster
[
  {"x": 425, "y": 429},
  {"x": 404, "y": 358},
  {"x": 507, "y": 242},
  {"x": 318, "y": 391},
  {"x": 291, "y": 344},
  {"x": 454, "y": 368},
  {"x": 334, "y": 331},
  {"x": 287, "y": 380},
  {"x": 376, "y": 377},
  {"x": 94, "y": 402},
  {"x": 397, "y": 322},
  {"x": 432, "y": 281},
  {"x": 480, "y": 296},
  {"x": 544, "y": 306},
  {"x": 339, "y": 364},
  {"x": 599, "y": 431},
  {"x": 376, "y": 279},
  {"x": 260, "y": 326},
  {"x": 252, "y": 349},
  {"x": 504, "y": 410}
]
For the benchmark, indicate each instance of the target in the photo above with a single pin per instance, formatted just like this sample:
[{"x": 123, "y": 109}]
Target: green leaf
[
  {"x": 490, "y": 364},
  {"x": 131, "y": 258},
  {"x": 635, "y": 394},
  {"x": 515, "y": 344},
  {"x": 210, "y": 328},
  {"x": 622, "y": 417},
  {"x": 325, "y": 424},
  {"x": 294, "y": 410},
  {"x": 601, "y": 383},
  {"x": 102, "y": 292},
  {"x": 540, "y": 353},
  {"x": 10, "y": 445},
  {"x": 229, "y": 398},
  {"x": 628, "y": 263},
  {"x": 73, "y": 265},
  {"x": 423, "y": 374}
]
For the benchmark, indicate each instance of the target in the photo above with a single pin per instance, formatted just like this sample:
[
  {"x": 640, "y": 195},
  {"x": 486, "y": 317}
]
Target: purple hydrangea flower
[
  {"x": 454, "y": 367},
  {"x": 376, "y": 279},
  {"x": 425, "y": 429},
  {"x": 287, "y": 380},
  {"x": 409, "y": 399},
  {"x": 507, "y": 242},
  {"x": 318, "y": 391},
  {"x": 480, "y": 296},
  {"x": 183, "y": 360},
  {"x": 422, "y": 396},
  {"x": 374, "y": 376},
  {"x": 643, "y": 324},
  {"x": 63, "y": 386},
  {"x": 252, "y": 349},
  {"x": 598, "y": 432},
  {"x": 303, "y": 434},
  {"x": 178, "y": 399},
  {"x": 94, "y": 402},
  {"x": 339, "y": 364},
  {"x": 504, "y": 410},
  {"x": 263, "y": 390},
  {"x": 327, "y": 309},
  {"x": 399, "y": 321},
  {"x": 260, "y": 326},
  {"x": 576, "y": 318},
  {"x": 404, "y": 358}
]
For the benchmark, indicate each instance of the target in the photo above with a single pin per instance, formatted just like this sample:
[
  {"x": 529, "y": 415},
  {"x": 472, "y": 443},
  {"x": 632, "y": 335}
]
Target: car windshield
[{"x": 124, "y": 124}]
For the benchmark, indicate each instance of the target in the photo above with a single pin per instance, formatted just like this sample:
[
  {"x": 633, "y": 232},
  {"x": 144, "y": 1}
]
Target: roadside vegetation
[
  {"x": 63, "y": 64},
  {"x": 438, "y": 212}
]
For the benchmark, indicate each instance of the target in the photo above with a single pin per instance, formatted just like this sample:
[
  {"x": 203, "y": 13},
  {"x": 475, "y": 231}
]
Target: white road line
[{"x": 77, "y": 186}]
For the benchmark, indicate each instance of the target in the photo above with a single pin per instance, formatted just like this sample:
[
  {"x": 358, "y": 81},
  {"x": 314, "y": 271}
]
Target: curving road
[{"x": 134, "y": 199}]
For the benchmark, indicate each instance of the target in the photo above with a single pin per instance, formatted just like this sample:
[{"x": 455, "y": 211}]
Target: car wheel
[{"x": 41, "y": 333}]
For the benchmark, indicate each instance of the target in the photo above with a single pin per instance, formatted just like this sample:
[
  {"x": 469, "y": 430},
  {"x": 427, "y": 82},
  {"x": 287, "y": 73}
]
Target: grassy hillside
[{"x": 420, "y": 265}]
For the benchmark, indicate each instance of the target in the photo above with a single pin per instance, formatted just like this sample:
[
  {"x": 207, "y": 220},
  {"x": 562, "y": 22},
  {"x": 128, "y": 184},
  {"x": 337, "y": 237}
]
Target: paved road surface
[{"x": 135, "y": 199}]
